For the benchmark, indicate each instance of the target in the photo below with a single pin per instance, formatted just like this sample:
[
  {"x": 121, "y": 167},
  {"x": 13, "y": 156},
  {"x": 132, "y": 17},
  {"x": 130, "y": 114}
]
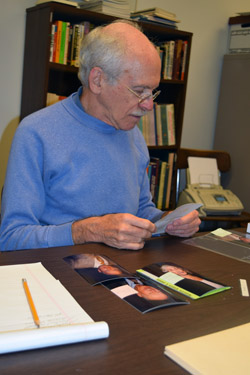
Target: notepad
[
  {"x": 221, "y": 353},
  {"x": 62, "y": 319}
]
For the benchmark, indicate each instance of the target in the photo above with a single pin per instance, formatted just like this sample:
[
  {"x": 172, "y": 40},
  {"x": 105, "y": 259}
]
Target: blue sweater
[{"x": 65, "y": 165}]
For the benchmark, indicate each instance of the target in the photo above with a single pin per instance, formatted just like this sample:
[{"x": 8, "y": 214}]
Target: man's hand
[
  {"x": 123, "y": 231},
  {"x": 185, "y": 226}
]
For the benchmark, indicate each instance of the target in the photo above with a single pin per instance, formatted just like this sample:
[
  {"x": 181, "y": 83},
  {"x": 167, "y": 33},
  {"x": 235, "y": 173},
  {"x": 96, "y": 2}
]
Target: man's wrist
[{"x": 85, "y": 230}]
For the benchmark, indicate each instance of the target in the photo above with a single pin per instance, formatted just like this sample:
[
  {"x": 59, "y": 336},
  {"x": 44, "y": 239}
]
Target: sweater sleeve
[{"x": 24, "y": 198}]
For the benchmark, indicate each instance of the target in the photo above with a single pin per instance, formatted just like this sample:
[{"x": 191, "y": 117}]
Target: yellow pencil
[{"x": 31, "y": 303}]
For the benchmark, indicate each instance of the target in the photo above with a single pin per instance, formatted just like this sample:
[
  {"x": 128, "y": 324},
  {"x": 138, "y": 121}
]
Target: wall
[
  {"x": 206, "y": 19},
  {"x": 12, "y": 30}
]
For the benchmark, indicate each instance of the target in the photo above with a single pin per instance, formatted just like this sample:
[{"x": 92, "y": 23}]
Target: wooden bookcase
[{"x": 41, "y": 76}]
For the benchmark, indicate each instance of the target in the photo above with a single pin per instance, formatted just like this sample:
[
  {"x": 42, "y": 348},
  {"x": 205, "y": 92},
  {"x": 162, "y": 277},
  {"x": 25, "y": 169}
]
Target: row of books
[
  {"x": 66, "y": 40},
  {"x": 160, "y": 175},
  {"x": 158, "y": 125},
  {"x": 173, "y": 55}
]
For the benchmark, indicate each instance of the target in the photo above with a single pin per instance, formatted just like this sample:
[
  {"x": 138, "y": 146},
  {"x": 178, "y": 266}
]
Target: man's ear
[{"x": 96, "y": 76}]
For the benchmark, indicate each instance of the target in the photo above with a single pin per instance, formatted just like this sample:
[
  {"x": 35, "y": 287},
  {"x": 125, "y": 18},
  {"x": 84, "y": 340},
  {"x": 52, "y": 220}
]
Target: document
[
  {"x": 225, "y": 352},
  {"x": 232, "y": 244},
  {"x": 62, "y": 319},
  {"x": 181, "y": 279},
  {"x": 100, "y": 269},
  {"x": 176, "y": 214}
]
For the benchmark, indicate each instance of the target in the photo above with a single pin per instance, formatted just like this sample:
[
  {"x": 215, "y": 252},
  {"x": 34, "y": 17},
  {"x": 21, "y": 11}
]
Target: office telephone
[{"x": 204, "y": 187}]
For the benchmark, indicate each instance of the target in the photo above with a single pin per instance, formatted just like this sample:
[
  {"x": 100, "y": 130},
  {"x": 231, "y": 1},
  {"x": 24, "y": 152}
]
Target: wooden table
[{"x": 136, "y": 341}]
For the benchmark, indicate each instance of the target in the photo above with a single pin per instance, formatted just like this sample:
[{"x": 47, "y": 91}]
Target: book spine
[
  {"x": 171, "y": 59},
  {"x": 171, "y": 158},
  {"x": 69, "y": 44},
  {"x": 171, "y": 124},
  {"x": 58, "y": 41},
  {"x": 152, "y": 180},
  {"x": 158, "y": 124},
  {"x": 55, "y": 42},
  {"x": 161, "y": 185},
  {"x": 177, "y": 59},
  {"x": 163, "y": 109},
  {"x": 183, "y": 60},
  {"x": 151, "y": 128},
  {"x": 52, "y": 42},
  {"x": 66, "y": 49},
  {"x": 62, "y": 43},
  {"x": 74, "y": 45},
  {"x": 166, "y": 60}
]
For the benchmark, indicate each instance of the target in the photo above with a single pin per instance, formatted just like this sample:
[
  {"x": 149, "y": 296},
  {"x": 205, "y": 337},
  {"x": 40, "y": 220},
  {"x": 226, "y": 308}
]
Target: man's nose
[{"x": 147, "y": 104}]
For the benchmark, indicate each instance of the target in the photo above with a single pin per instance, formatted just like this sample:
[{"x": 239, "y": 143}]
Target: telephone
[{"x": 205, "y": 188}]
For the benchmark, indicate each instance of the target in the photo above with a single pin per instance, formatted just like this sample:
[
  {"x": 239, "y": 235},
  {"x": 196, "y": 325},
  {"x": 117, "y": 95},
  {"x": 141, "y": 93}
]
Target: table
[{"x": 136, "y": 341}]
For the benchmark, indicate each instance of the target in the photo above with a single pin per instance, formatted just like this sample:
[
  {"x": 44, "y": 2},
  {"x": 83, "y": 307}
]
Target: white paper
[
  {"x": 45, "y": 337},
  {"x": 55, "y": 306},
  {"x": 203, "y": 171},
  {"x": 176, "y": 214}
]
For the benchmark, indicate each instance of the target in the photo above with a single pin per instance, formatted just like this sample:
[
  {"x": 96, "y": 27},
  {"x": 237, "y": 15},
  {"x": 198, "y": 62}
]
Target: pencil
[{"x": 31, "y": 303}]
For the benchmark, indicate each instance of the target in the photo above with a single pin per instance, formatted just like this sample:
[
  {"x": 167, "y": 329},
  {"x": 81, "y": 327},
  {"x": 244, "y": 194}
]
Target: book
[
  {"x": 177, "y": 59},
  {"x": 171, "y": 124},
  {"x": 66, "y": 2},
  {"x": 52, "y": 42},
  {"x": 158, "y": 12},
  {"x": 171, "y": 158},
  {"x": 183, "y": 60},
  {"x": 62, "y": 319},
  {"x": 155, "y": 166},
  {"x": 154, "y": 19},
  {"x": 223, "y": 352},
  {"x": 181, "y": 279},
  {"x": 63, "y": 42},
  {"x": 158, "y": 124},
  {"x": 151, "y": 128},
  {"x": 118, "y": 8},
  {"x": 59, "y": 24},
  {"x": 161, "y": 185},
  {"x": 74, "y": 45},
  {"x": 165, "y": 47},
  {"x": 164, "y": 124},
  {"x": 169, "y": 47}
]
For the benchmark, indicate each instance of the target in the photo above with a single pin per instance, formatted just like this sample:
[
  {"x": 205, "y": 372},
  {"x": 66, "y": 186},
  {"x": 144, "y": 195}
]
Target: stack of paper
[
  {"x": 118, "y": 8},
  {"x": 220, "y": 353},
  {"x": 156, "y": 15},
  {"x": 62, "y": 320}
]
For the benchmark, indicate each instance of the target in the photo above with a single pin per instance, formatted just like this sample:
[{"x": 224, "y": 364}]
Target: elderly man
[{"x": 77, "y": 169}]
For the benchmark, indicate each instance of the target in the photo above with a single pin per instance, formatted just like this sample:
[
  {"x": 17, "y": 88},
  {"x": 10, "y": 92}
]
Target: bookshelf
[{"x": 41, "y": 76}]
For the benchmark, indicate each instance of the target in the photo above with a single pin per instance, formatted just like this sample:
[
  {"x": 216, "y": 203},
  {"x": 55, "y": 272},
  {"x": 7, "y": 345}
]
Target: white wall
[
  {"x": 12, "y": 30},
  {"x": 207, "y": 20}
]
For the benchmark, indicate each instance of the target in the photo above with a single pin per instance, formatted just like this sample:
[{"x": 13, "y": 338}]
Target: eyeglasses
[{"x": 141, "y": 98}]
